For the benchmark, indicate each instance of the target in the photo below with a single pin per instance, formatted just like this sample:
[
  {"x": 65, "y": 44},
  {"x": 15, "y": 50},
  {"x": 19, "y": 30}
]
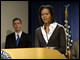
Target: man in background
[
  {"x": 18, "y": 39},
  {"x": 75, "y": 50}
]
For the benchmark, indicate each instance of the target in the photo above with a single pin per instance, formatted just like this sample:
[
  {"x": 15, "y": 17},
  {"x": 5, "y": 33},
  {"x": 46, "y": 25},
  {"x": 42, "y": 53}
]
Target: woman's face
[{"x": 46, "y": 16}]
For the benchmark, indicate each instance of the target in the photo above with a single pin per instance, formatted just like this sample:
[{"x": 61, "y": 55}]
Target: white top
[
  {"x": 19, "y": 35},
  {"x": 51, "y": 28}
]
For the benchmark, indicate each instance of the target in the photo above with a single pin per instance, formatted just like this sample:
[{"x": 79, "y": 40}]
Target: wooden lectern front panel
[{"x": 34, "y": 53}]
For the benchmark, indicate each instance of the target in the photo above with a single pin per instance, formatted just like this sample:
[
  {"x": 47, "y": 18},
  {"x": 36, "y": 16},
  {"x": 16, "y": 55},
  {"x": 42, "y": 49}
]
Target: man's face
[{"x": 17, "y": 25}]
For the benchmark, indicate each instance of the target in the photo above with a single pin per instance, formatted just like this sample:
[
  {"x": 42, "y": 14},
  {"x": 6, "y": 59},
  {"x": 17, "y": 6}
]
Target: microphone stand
[{"x": 46, "y": 36}]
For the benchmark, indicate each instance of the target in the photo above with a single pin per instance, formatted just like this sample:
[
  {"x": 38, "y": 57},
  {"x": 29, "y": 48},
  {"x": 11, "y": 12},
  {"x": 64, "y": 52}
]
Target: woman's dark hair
[
  {"x": 17, "y": 19},
  {"x": 51, "y": 12}
]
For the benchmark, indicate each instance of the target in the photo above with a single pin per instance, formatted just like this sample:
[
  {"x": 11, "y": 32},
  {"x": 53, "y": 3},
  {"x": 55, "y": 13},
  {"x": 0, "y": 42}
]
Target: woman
[{"x": 50, "y": 34}]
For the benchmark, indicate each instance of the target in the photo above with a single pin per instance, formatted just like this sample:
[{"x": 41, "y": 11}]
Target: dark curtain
[{"x": 73, "y": 16}]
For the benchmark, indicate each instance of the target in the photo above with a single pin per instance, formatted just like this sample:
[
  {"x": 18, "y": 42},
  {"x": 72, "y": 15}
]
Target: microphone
[{"x": 45, "y": 28}]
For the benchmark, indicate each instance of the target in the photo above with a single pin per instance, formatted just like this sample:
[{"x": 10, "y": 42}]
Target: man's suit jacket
[
  {"x": 57, "y": 39},
  {"x": 75, "y": 50},
  {"x": 24, "y": 42}
]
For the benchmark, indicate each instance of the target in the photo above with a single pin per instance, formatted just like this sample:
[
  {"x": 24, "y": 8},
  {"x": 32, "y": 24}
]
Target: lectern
[{"x": 34, "y": 53}]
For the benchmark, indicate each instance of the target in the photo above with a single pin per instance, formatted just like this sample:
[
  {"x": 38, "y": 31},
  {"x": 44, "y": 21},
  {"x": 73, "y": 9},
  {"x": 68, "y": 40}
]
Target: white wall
[{"x": 10, "y": 10}]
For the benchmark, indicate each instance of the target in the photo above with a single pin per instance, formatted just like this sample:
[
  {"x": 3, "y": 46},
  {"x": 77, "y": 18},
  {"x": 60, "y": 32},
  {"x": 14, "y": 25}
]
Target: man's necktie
[{"x": 17, "y": 41}]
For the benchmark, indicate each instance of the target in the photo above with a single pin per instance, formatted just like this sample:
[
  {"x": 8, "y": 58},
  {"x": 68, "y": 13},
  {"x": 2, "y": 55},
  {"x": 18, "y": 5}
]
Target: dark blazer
[
  {"x": 57, "y": 39},
  {"x": 24, "y": 42},
  {"x": 75, "y": 50}
]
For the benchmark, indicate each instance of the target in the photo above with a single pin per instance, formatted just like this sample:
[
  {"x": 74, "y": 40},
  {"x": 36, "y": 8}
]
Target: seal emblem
[{"x": 5, "y": 55}]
